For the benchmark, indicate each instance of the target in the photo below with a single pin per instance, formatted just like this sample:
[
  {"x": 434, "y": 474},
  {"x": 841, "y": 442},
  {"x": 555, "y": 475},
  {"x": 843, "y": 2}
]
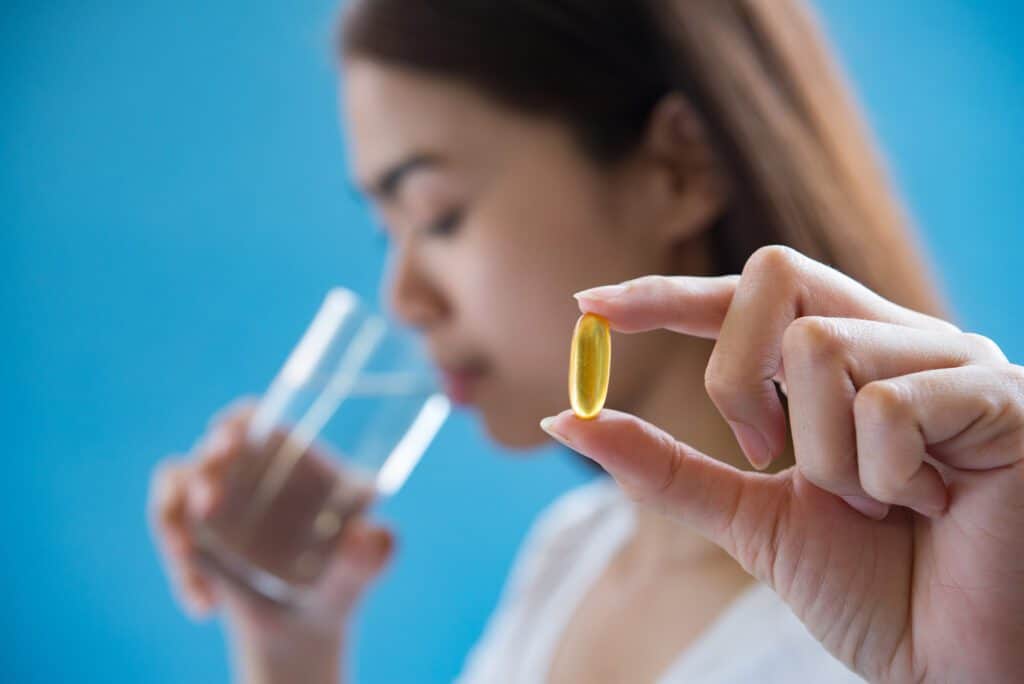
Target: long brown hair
[{"x": 802, "y": 167}]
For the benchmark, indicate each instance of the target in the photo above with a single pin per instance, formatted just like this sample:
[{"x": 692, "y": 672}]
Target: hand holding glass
[{"x": 344, "y": 422}]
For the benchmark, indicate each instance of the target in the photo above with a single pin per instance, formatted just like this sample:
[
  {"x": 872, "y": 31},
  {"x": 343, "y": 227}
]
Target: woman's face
[{"x": 495, "y": 219}]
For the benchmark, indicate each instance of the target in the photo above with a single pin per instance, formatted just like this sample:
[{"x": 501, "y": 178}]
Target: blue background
[{"x": 173, "y": 205}]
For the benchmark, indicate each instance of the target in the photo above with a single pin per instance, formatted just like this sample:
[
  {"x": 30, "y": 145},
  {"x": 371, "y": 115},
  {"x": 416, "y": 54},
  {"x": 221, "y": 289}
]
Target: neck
[{"x": 676, "y": 402}]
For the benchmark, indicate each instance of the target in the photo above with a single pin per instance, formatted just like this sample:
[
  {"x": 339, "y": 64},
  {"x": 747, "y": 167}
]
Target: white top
[{"x": 756, "y": 638}]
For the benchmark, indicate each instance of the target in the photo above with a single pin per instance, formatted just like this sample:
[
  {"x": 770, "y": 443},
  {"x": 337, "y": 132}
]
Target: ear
[{"x": 685, "y": 185}]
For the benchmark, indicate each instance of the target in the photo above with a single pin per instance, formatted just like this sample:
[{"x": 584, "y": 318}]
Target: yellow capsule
[{"x": 590, "y": 360}]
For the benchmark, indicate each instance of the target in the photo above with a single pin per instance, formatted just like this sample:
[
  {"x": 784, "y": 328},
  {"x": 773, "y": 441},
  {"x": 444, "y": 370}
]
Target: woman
[{"x": 521, "y": 151}]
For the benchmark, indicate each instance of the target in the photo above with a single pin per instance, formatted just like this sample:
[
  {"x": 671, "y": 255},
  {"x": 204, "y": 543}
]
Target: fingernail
[
  {"x": 604, "y": 292},
  {"x": 876, "y": 510},
  {"x": 546, "y": 424},
  {"x": 753, "y": 444}
]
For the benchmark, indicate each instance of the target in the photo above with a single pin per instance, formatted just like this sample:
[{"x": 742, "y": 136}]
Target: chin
[{"x": 513, "y": 432}]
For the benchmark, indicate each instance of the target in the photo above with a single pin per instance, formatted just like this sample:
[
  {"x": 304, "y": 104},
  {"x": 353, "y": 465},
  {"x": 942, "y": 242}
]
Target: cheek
[
  {"x": 531, "y": 248},
  {"x": 524, "y": 322},
  {"x": 524, "y": 334},
  {"x": 517, "y": 309}
]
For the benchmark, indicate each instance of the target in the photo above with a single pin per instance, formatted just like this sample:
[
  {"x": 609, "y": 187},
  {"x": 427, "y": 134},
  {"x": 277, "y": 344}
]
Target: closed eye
[{"x": 447, "y": 224}]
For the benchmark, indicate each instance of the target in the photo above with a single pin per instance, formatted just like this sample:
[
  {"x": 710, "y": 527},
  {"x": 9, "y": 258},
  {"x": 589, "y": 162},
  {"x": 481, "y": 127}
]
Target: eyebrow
[{"x": 386, "y": 185}]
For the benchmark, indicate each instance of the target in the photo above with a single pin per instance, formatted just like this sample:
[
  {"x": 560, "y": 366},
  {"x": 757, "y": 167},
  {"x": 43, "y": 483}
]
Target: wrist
[{"x": 303, "y": 656}]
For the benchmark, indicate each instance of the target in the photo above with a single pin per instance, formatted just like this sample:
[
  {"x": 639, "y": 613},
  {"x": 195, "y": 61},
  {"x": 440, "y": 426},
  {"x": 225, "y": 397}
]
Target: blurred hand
[
  {"x": 187, "y": 490},
  {"x": 898, "y": 536}
]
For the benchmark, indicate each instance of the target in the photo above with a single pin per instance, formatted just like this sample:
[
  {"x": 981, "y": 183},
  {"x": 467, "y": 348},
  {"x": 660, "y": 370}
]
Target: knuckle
[
  {"x": 880, "y": 400},
  {"x": 984, "y": 348},
  {"x": 991, "y": 404},
  {"x": 1016, "y": 377},
  {"x": 776, "y": 260},
  {"x": 1015, "y": 401},
  {"x": 674, "y": 465},
  {"x": 943, "y": 325},
  {"x": 719, "y": 387},
  {"x": 812, "y": 339}
]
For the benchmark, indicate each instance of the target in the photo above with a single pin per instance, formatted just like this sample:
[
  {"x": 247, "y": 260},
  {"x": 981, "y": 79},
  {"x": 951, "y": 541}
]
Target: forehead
[{"x": 391, "y": 113}]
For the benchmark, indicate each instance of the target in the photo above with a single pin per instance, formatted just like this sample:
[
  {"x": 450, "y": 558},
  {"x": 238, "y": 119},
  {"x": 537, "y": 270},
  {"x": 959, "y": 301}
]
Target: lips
[{"x": 460, "y": 382}]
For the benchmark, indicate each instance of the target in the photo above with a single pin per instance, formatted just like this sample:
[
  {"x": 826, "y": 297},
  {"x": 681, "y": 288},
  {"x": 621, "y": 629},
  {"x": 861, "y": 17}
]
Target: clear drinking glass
[{"x": 344, "y": 423}]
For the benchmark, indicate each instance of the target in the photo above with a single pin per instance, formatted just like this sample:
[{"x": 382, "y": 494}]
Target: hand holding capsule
[{"x": 898, "y": 536}]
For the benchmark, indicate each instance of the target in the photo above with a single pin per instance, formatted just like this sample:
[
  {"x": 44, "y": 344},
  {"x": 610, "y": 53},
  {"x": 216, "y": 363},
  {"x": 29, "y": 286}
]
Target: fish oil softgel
[{"x": 589, "y": 365}]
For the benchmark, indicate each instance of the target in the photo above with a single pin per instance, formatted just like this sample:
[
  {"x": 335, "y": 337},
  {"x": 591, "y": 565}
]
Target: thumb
[{"x": 740, "y": 511}]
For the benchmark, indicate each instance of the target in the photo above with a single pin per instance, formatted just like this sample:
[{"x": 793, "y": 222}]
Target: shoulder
[{"x": 560, "y": 539}]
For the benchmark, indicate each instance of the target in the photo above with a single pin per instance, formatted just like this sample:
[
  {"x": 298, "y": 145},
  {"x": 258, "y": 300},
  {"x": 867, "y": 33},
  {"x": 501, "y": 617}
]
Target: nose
[{"x": 410, "y": 292}]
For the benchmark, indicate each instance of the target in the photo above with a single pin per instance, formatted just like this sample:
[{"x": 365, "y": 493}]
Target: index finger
[{"x": 698, "y": 305}]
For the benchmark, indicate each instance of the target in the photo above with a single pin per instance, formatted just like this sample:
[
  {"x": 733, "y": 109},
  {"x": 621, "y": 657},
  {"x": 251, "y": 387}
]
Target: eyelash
[
  {"x": 446, "y": 225},
  {"x": 442, "y": 228}
]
